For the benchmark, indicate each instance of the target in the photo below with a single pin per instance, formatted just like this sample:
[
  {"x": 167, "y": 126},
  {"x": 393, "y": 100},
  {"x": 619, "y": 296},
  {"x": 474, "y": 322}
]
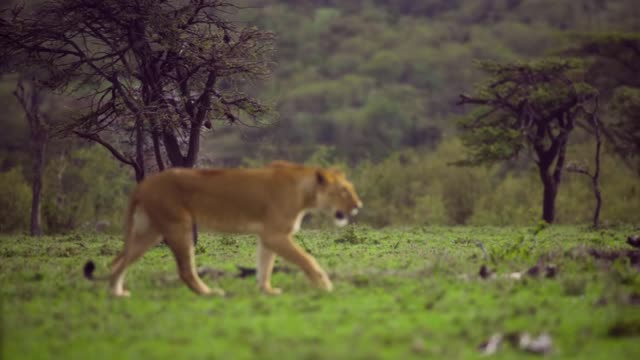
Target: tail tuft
[{"x": 89, "y": 267}]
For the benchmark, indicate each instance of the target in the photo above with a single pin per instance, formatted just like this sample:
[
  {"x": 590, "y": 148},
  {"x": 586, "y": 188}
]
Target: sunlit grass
[{"x": 405, "y": 292}]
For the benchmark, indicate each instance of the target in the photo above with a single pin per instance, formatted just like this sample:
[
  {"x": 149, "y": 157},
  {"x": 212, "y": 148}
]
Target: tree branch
[{"x": 96, "y": 138}]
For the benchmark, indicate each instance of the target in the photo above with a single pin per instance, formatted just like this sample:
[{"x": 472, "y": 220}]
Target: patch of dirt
[
  {"x": 613, "y": 255},
  {"x": 210, "y": 272},
  {"x": 549, "y": 271},
  {"x": 624, "y": 328},
  {"x": 249, "y": 271}
]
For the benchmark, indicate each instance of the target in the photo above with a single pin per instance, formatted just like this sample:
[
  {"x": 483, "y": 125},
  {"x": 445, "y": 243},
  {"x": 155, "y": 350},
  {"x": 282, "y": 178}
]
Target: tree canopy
[{"x": 149, "y": 71}]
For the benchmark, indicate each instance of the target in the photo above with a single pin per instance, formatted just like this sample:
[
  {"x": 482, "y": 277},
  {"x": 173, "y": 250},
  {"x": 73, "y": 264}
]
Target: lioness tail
[{"x": 88, "y": 270}]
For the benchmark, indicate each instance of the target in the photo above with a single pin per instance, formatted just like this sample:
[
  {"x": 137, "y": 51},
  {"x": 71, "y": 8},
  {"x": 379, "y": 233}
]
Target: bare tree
[
  {"x": 593, "y": 126},
  {"x": 32, "y": 98},
  {"x": 155, "y": 71}
]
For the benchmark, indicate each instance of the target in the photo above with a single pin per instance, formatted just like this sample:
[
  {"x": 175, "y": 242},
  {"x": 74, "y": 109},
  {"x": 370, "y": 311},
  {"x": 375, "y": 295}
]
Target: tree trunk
[
  {"x": 595, "y": 179},
  {"x": 551, "y": 179},
  {"x": 194, "y": 146},
  {"x": 596, "y": 212},
  {"x": 172, "y": 147},
  {"x": 140, "y": 171},
  {"x": 157, "y": 151},
  {"x": 178, "y": 160},
  {"x": 39, "y": 147},
  {"x": 549, "y": 202},
  {"x": 550, "y": 190}
]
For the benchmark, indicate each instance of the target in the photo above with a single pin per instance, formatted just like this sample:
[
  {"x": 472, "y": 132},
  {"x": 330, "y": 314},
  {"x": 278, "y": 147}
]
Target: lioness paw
[
  {"x": 323, "y": 282},
  {"x": 123, "y": 293},
  {"x": 271, "y": 291},
  {"x": 327, "y": 285},
  {"x": 216, "y": 292}
]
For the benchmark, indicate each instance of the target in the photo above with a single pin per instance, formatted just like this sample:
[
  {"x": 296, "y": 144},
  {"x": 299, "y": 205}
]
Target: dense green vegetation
[
  {"x": 372, "y": 86},
  {"x": 399, "y": 293}
]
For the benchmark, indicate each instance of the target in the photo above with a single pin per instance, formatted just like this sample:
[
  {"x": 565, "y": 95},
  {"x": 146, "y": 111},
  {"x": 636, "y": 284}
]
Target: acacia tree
[
  {"x": 531, "y": 107},
  {"x": 614, "y": 68},
  {"x": 144, "y": 71}
]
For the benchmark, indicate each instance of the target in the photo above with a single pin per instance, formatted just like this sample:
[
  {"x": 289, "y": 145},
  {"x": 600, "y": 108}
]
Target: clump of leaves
[
  {"x": 623, "y": 272},
  {"x": 7, "y": 253},
  {"x": 517, "y": 249},
  {"x": 107, "y": 250},
  {"x": 351, "y": 236},
  {"x": 574, "y": 286},
  {"x": 539, "y": 227},
  {"x": 200, "y": 249},
  {"x": 228, "y": 240},
  {"x": 71, "y": 238}
]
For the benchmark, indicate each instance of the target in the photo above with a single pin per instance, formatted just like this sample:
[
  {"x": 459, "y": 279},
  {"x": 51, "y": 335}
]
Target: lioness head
[{"x": 337, "y": 195}]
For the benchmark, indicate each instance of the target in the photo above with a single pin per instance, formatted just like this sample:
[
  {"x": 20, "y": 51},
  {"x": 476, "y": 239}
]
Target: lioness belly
[{"x": 228, "y": 226}]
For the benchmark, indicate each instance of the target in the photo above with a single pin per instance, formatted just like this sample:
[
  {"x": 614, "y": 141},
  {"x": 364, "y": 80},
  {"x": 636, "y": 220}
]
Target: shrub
[
  {"x": 15, "y": 201},
  {"x": 87, "y": 187}
]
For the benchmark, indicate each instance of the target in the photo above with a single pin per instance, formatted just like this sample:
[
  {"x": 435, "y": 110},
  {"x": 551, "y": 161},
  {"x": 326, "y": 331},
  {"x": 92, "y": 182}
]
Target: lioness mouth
[{"x": 339, "y": 215}]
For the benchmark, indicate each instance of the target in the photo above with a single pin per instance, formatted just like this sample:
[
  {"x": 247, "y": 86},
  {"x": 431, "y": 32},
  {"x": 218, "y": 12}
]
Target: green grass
[{"x": 399, "y": 293}]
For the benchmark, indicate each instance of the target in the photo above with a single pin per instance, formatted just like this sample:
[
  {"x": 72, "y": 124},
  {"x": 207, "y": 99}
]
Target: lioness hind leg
[
  {"x": 134, "y": 247},
  {"x": 284, "y": 246},
  {"x": 266, "y": 258},
  {"x": 184, "y": 253}
]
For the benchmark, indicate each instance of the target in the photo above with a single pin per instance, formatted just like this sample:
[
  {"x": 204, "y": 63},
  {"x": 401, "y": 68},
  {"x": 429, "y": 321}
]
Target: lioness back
[{"x": 228, "y": 200}]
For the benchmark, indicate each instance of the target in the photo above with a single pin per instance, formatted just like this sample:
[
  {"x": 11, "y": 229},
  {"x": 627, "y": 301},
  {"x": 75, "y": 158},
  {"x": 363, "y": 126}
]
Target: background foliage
[{"x": 371, "y": 86}]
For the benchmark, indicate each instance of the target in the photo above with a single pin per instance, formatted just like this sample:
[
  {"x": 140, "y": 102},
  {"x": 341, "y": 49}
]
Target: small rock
[
  {"x": 515, "y": 275},
  {"x": 534, "y": 271},
  {"x": 601, "y": 302},
  {"x": 550, "y": 271},
  {"x": 245, "y": 271},
  {"x": 539, "y": 345},
  {"x": 490, "y": 346},
  {"x": 634, "y": 241},
  {"x": 484, "y": 272},
  {"x": 417, "y": 346}
]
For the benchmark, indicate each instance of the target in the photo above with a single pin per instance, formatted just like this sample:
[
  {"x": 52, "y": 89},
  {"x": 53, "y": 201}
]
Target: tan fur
[{"x": 269, "y": 202}]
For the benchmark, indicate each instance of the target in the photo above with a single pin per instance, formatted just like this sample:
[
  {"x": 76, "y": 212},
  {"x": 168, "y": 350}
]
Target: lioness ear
[{"x": 320, "y": 178}]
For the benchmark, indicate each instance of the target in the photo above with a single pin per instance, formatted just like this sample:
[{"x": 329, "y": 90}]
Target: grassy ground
[{"x": 399, "y": 293}]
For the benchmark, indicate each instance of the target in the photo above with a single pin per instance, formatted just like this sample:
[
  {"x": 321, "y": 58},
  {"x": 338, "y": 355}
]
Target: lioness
[{"x": 269, "y": 201}]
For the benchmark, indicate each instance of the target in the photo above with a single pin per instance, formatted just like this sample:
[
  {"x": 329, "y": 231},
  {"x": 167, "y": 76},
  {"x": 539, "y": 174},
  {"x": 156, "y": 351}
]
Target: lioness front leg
[
  {"x": 284, "y": 246},
  {"x": 181, "y": 245},
  {"x": 265, "y": 261}
]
